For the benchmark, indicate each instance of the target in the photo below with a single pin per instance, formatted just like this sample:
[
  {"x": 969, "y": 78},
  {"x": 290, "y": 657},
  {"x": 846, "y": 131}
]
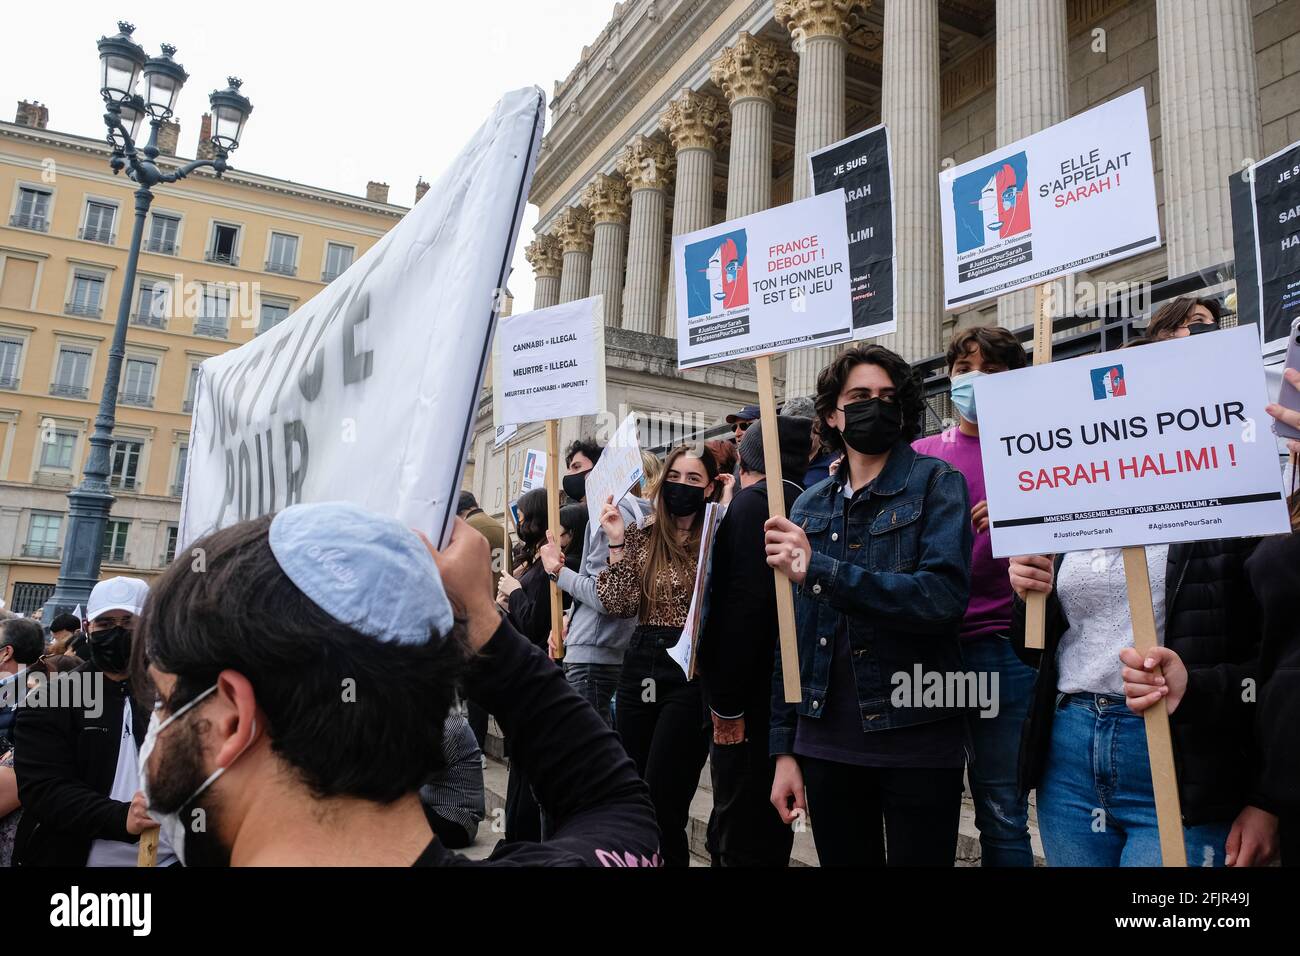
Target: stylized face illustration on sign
[
  {"x": 998, "y": 202},
  {"x": 726, "y": 274}
]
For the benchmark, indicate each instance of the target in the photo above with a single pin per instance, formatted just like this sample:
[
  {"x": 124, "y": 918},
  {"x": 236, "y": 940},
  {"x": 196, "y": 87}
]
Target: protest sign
[
  {"x": 860, "y": 165},
  {"x": 534, "y": 475},
  {"x": 769, "y": 282},
  {"x": 503, "y": 434},
  {"x": 549, "y": 364},
  {"x": 1265, "y": 201},
  {"x": 618, "y": 470},
  {"x": 1161, "y": 443},
  {"x": 368, "y": 392},
  {"x": 683, "y": 652},
  {"x": 1076, "y": 195}
]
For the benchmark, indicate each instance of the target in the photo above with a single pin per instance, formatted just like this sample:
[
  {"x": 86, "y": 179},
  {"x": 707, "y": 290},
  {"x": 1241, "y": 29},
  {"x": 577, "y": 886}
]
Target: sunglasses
[{"x": 743, "y": 424}]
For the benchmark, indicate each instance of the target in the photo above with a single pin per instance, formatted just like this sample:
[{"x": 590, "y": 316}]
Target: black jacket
[
  {"x": 598, "y": 807},
  {"x": 530, "y": 605},
  {"x": 739, "y": 641},
  {"x": 1274, "y": 573},
  {"x": 1211, "y": 620},
  {"x": 65, "y": 762}
]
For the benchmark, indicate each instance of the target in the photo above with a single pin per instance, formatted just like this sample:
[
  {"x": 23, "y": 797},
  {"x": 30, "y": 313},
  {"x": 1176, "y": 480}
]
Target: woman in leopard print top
[{"x": 659, "y": 713}]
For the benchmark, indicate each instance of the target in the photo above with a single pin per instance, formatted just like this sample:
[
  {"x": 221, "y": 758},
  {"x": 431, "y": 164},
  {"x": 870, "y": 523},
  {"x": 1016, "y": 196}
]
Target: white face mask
[{"x": 173, "y": 827}]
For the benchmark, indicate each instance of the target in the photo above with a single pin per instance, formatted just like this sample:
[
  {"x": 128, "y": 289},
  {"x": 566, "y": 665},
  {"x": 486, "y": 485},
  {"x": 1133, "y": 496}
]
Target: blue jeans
[
  {"x": 596, "y": 684},
  {"x": 1096, "y": 806},
  {"x": 1001, "y": 812}
]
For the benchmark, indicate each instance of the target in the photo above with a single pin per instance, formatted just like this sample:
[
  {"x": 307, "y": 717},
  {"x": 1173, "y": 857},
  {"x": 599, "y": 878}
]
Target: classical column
[
  {"x": 691, "y": 124},
  {"x": 645, "y": 164},
  {"x": 909, "y": 107},
  {"x": 1209, "y": 123},
  {"x": 607, "y": 198},
  {"x": 546, "y": 258},
  {"x": 745, "y": 72},
  {"x": 1032, "y": 94},
  {"x": 818, "y": 29},
  {"x": 573, "y": 228}
]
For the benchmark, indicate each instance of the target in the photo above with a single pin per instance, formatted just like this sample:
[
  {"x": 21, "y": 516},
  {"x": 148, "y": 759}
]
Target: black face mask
[
  {"x": 682, "y": 499},
  {"x": 872, "y": 427},
  {"x": 1200, "y": 328},
  {"x": 575, "y": 486},
  {"x": 110, "y": 649}
]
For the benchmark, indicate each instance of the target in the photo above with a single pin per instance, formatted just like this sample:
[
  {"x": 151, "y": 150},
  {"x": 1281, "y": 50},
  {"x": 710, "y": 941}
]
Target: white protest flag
[
  {"x": 1165, "y": 442},
  {"x": 617, "y": 471},
  {"x": 368, "y": 392},
  {"x": 503, "y": 434}
]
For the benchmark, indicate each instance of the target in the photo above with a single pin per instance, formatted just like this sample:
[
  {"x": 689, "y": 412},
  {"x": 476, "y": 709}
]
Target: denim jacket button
[
  {"x": 816, "y": 704},
  {"x": 835, "y": 536},
  {"x": 822, "y": 642},
  {"x": 817, "y": 589}
]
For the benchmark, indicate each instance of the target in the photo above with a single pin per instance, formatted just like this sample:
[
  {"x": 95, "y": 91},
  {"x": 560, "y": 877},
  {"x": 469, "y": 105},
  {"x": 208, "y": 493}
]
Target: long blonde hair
[{"x": 665, "y": 546}]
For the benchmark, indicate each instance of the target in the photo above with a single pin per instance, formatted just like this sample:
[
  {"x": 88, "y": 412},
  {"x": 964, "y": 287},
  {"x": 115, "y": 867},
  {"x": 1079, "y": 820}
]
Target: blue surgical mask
[{"x": 962, "y": 388}]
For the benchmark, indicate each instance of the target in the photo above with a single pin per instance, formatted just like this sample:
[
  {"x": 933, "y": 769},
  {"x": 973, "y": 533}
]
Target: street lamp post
[{"x": 122, "y": 61}]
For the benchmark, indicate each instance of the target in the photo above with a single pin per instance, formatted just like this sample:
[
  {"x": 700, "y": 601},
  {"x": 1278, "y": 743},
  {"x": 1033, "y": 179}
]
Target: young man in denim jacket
[{"x": 880, "y": 552}]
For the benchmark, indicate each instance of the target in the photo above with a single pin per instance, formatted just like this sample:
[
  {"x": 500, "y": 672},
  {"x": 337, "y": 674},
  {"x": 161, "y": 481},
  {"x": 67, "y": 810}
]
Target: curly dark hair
[
  {"x": 587, "y": 446},
  {"x": 830, "y": 382}
]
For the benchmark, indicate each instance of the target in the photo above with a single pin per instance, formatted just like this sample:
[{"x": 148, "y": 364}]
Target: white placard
[
  {"x": 1159, "y": 443},
  {"x": 503, "y": 434},
  {"x": 534, "y": 475},
  {"x": 683, "y": 652},
  {"x": 618, "y": 470},
  {"x": 1074, "y": 196},
  {"x": 368, "y": 392},
  {"x": 549, "y": 364},
  {"x": 770, "y": 282}
]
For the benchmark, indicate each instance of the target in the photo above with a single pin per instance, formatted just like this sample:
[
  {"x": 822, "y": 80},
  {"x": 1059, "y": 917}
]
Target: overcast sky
[{"x": 342, "y": 92}]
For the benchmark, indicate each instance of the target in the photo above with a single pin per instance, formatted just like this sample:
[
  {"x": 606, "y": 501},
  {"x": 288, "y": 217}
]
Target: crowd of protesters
[{"x": 320, "y": 694}]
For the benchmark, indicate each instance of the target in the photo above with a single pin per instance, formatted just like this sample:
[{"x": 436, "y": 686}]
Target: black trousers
[
  {"x": 478, "y": 722},
  {"x": 661, "y": 720},
  {"x": 745, "y": 829},
  {"x": 878, "y": 816}
]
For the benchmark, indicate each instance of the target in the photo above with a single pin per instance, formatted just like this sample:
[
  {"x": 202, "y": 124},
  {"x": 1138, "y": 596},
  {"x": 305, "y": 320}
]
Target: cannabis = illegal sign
[{"x": 1165, "y": 442}]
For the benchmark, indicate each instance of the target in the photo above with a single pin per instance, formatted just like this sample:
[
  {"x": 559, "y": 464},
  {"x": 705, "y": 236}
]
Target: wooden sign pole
[
  {"x": 507, "y": 559},
  {"x": 553, "y": 522},
  {"x": 775, "y": 509},
  {"x": 148, "y": 854},
  {"x": 1160, "y": 749},
  {"x": 1036, "y": 601}
]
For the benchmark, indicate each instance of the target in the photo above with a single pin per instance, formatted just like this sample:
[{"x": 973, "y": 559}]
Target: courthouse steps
[{"x": 804, "y": 853}]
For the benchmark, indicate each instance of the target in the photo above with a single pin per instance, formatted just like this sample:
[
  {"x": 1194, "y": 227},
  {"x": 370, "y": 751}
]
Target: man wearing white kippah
[{"x": 300, "y": 713}]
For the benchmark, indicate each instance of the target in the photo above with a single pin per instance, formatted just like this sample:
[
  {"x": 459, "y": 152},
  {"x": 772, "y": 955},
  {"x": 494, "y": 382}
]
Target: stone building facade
[{"x": 682, "y": 113}]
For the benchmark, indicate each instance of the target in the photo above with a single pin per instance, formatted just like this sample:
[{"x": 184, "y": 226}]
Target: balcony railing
[
  {"x": 328, "y": 276},
  {"x": 228, "y": 258},
  {"x": 44, "y": 551},
  {"x": 216, "y": 330},
  {"x": 178, "y": 489},
  {"x": 126, "y": 483},
  {"x": 28, "y": 221},
  {"x": 151, "y": 320},
  {"x": 97, "y": 234},
  {"x": 83, "y": 309},
  {"x": 69, "y": 391},
  {"x": 187, "y": 406},
  {"x": 165, "y": 560},
  {"x": 164, "y": 247},
  {"x": 9, "y": 381},
  {"x": 138, "y": 399},
  {"x": 282, "y": 268},
  {"x": 114, "y": 556}
]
